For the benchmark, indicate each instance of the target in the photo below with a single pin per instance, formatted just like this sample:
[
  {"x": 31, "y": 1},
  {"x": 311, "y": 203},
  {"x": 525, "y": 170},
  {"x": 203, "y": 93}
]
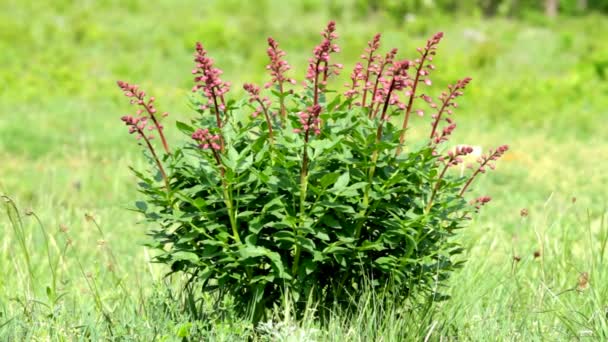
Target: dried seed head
[
  {"x": 583, "y": 281},
  {"x": 516, "y": 258}
]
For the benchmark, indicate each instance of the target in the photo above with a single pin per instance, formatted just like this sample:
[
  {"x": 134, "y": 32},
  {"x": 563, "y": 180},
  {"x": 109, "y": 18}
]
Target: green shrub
[{"x": 311, "y": 194}]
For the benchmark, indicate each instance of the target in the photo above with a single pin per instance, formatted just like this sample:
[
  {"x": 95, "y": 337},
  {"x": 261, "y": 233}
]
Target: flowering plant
[{"x": 312, "y": 195}]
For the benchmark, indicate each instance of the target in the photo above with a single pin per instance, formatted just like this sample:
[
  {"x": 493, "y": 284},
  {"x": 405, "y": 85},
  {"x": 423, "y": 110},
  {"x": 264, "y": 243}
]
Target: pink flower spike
[
  {"x": 208, "y": 81},
  {"x": 147, "y": 111},
  {"x": 278, "y": 67},
  {"x": 319, "y": 65}
]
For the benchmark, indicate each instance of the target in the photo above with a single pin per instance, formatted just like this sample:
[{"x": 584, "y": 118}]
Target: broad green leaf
[
  {"x": 184, "y": 128},
  {"x": 341, "y": 182},
  {"x": 187, "y": 256}
]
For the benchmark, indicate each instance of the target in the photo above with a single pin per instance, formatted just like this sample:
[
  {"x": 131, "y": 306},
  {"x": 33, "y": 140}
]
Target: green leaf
[
  {"x": 335, "y": 249},
  {"x": 341, "y": 183},
  {"x": 321, "y": 235},
  {"x": 142, "y": 206},
  {"x": 184, "y": 128},
  {"x": 284, "y": 236},
  {"x": 280, "y": 270},
  {"x": 329, "y": 179},
  {"x": 187, "y": 256}
]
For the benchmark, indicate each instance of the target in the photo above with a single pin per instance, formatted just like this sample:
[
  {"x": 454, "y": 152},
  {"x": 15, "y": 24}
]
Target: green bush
[{"x": 313, "y": 194}]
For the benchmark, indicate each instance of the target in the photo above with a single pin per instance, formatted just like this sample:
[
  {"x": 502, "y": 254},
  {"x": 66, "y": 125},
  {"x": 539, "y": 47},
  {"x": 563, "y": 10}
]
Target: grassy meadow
[{"x": 72, "y": 259}]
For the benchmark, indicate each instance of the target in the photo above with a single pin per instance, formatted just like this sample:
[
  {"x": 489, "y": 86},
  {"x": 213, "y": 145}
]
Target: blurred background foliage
[{"x": 522, "y": 9}]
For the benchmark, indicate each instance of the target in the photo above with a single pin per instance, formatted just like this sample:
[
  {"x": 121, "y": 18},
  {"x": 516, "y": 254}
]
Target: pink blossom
[
  {"x": 447, "y": 100},
  {"x": 485, "y": 161},
  {"x": 319, "y": 64},
  {"x": 206, "y": 139},
  {"x": 278, "y": 67},
  {"x": 147, "y": 110},
  {"x": 207, "y": 80},
  {"x": 355, "y": 77},
  {"x": 480, "y": 202},
  {"x": 310, "y": 121}
]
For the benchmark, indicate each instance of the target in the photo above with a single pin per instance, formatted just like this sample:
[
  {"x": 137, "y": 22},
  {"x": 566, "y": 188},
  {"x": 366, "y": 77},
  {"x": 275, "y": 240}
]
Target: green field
[{"x": 539, "y": 85}]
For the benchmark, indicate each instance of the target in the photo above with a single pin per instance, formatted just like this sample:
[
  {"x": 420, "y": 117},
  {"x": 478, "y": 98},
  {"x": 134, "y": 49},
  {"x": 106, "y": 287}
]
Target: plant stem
[
  {"x": 366, "y": 79},
  {"x": 375, "y": 155},
  {"x": 227, "y": 197},
  {"x": 478, "y": 171},
  {"x": 231, "y": 211},
  {"x": 435, "y": 188},
  {"x": 282, "y": 104},
  {"x": 408, "y": 109},
  {"x": 371, "y": 107},
  {"x": 158, "y": 128},
  {"x": 316, "y": 84},
  {"x": 267, "y": 117},
  {"x": 217, "y": 118},
  {"x": 303, "y": 190},
  {"x": 155, "y": 157},
  {"x": 444, "y": 105}
]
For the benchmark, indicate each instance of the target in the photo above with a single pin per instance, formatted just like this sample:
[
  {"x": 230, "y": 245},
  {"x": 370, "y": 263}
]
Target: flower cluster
[
  {"x": 355, "y": 77},
  {"x": 208, "y": 80},
  {"x": 140, "y": 123},
  {"x": 254, "y": 97},
  {"x": 207, "y": 139},
  {"x": 309, "y": 119},
  {"x": 454, "y": 156},
  {"x": 371, "y": 58},
  {"x": 319, "y": 64},
  {"x": 445, "y": 132},
  {"x": 492, "y": 156},
  {"x": 137, "y": 125},
  {"x": 426, "y": 55},
  {"x": 447, "y": 101},
  {"x": 484, "y": 161},
  {"x": 396, "y": 80},
  {"x": 381, "y": 90},
  {"x": 480, "y": 202},
  {"x": 423, "y": 69},
  {"x": 278, "y": 66},
  {"x": 263, "y": 103}
]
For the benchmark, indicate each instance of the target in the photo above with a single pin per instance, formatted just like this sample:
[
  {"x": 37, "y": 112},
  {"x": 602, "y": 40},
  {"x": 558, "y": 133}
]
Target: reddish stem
[
  {"x": 154, "y": 156},
  {"x": 410, "y": 102},
  {"x": 436, "y": 187},
  {"x": 158, "y": 127},
  {"x": 444, "y": 105},
  {"x": 316, "y": 90},
  {"x": 369, "y": 62},
  {"x": 478, "y": 171},
  {"x": 218, "y": 119},
  {"x": 371, "y": 111},
  {"x": 267, "y": 119},
  {"x": 282, "y": 103}
]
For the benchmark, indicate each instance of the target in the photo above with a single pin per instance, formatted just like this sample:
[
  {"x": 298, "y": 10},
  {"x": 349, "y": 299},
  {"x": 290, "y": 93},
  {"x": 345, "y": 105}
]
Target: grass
[{"x": 75, "y": 267}]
